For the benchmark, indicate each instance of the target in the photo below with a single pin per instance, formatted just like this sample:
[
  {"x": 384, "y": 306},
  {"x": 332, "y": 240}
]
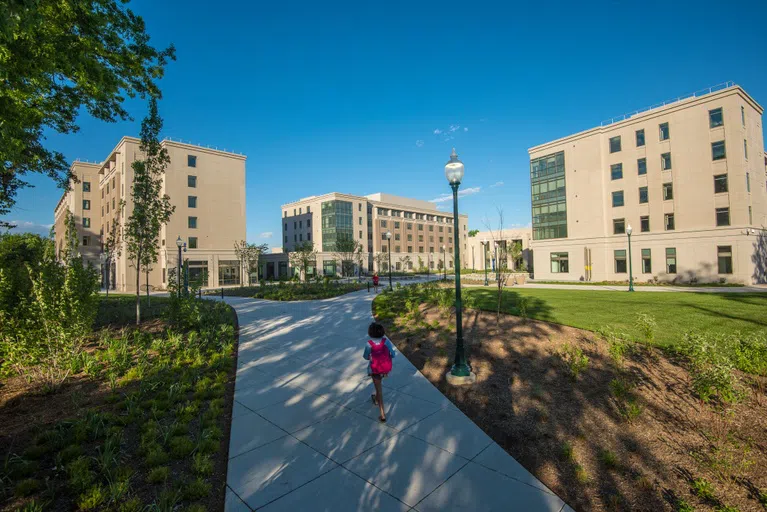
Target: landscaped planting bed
[
  {"x": 296, "y": 291},
  {"x": 141, "y": 424},
  {"x": 608, "y": 422}
]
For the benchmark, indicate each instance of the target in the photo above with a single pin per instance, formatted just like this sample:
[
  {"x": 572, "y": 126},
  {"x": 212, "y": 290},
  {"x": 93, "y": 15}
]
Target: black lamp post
[
  {"x": 181, "y": 245},
  {"x": 388, "y": 237},
  {"x": 460, "y": 373},
  {"x": 631, "y": 275},
  {"x": 484, "y": 261},
  {"x": 428, "y": 261}
]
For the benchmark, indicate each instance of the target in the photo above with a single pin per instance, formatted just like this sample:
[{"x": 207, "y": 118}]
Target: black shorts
[{"x": 379, "y": 375}]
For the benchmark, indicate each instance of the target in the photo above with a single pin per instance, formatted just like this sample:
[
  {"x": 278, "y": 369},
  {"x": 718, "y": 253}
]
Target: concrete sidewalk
[{"x": 305, "y": 435}]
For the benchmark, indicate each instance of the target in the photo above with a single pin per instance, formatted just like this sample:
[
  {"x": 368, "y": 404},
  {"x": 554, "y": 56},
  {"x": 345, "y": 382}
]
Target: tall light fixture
[
  {"x": 388, "y": 237},
  {"x": 631, "y": 274},
  {"x": 461, "y": 372}
]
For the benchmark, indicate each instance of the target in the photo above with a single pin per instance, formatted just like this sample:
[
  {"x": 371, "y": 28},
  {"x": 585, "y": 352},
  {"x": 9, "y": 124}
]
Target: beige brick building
[
  {"x": 688, "y": 176},
  {"x": 206, "y": 186},
  {"x": 487, "y": 249},
  {"x": 419, "y": 231},
  {"x": 83, "y": 201}
]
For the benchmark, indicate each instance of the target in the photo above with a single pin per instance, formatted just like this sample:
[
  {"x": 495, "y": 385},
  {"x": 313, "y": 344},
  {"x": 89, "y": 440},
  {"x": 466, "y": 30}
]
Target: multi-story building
[
  {"x": 421, "y": 235},
  {"x": 82, "y": 200},
  {"x": 488, "y": 249},
  {"x": 687, "y": 177},
  {"x": 207, "y": 188}
]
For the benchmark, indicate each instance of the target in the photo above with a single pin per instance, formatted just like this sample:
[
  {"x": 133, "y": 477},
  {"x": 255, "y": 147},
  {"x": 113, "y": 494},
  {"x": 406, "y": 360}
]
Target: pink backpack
[{"x": 380, "y": 359}]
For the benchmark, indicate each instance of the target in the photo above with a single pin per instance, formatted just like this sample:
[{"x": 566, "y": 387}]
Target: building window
[
  {"x": 743, "y": 116},
  {"x": 420, "y": 238},
  {"x": 396, "y": 248},
  {"x": 86, "y": 222},
  {"x": 191, "y": 161},
  {"x": 748, "y": 182},
  {"x": 670, "y": 260},
  {"x": 431, "y": 228},
  {"x": 665, "y": 161},
  {"x": 640, "y": 138},
  {"x": 286, "y": 238},
  {"x": 420, "y": 227},
  {"x": 560, "y": 263},
  {"x": 616, "y": 171},
  {"x": 750, "y": 216},
  {"x": 642, "y": 166},
  {"x": 86, "y": 241},
  {"x": 410, "y": 225},
  {"x": 668, "y": 191},
  {"x": 724, "y": 258},
  {"x": 620, "y": 261},
  {"x": 718, "y": 151},
  {"x": 441, "y": 239},
  {"x": 383, "y": 223},
  {"x": 715, "y": 118},
  {"x": 410, "y": 238},
  {"x": 642, "y": 195},
  {"x": 396, "y": 225},
  {"x": 409, "y": 248},
  {"x": 617, "y": 198},
  {"x": 191, "y": 182},
  {"x": 308, "y": 223},
  {"x": 441, "y": 229},
  {"x": 619, "y": 226},
  {"x": 549, "y": 205},
  {"x": 295, "y": 224},
  {"x": 644, "y": 223},
  {"x": 720, "y": 183},
  {"x": 646, "y": 261},
  {"x": 300, "y": 224},
  {"x": 396, "y": 236},
  {"x": 615, "y": 144},
  {"x": 664, "y": 131},
  {"x": 191, "y": 201},
  {"x": 745, "y": 148},
  {"x": 86, "y": 186},
  {"x": 668, "y": 221},
  {"x": 86, "y": 204},
  {"x": 192, "y": 222},
  {"x": 309, "y": 236},
  {"x": 722, "y": 216},
  {"x": 193, "y": 242},
  {"x": 300, "y": 237},
  {"x": 383, "y": 236},
  {"x": 295, "y": 238}
]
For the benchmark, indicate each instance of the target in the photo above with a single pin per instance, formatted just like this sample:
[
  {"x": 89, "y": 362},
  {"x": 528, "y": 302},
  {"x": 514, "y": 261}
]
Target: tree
[
  {"x": 421, "y": 267},
  {"x": 302, "y": 257},
  {"x": 473, "y": 232},
  {"x": 112, "y": 246},
  {"x": 348, "y": 251},
  {"x": 502, "y": 269},
  {"x": 515, "y": 253},
  {"x": 248, "y": 255},
  {"x": 59, "y": 57},
  {"x": 406, "y": 261},
  {"x": 381, "y": 260},
  {"x": 16, "y": 252},
  {"x": 150, "y": 209}
]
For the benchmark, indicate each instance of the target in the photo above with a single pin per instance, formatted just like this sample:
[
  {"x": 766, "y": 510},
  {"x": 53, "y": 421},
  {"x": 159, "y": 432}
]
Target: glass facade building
[
  {"x": 337, "y": 223},
  {"x": 547, "y": 177}
]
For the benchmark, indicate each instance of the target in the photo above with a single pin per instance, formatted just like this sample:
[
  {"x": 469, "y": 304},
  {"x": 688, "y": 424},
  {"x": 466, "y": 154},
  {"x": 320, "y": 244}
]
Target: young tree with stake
[{"x": 151, "y": 209}]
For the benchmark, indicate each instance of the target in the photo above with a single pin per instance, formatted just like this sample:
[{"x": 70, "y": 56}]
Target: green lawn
[{"x": 675, "y": 313}]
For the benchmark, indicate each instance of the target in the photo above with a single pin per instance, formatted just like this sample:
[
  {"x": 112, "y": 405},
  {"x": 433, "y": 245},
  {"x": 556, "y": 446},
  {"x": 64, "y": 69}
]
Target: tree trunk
[
  {"x": 498, "y": 313},
  {"x": 148, "y": 300},
  {"x": 138, "y": 290}
]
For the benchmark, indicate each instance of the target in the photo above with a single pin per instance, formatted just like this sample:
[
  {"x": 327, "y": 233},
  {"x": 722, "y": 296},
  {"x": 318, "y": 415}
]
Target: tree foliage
[
  {"x": 302, "y": 257},
  {"x": 249, "y": 256},
  {"x": 17, "y": 251},
  {"x": 473, "y": 232},
  {"x": 58, "y": 58},
  {"x": 151, "y": 208},
  {"x": 349, "y": 252}
]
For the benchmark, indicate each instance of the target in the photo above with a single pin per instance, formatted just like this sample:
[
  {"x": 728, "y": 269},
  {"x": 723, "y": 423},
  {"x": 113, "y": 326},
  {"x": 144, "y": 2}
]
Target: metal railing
[{"x": 702, "y": 92}]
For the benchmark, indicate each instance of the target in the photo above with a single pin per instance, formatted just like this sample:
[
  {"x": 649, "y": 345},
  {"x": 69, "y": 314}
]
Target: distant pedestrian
[
  {"x": 375, "y": 282},
  {"x": 380, "y": 352}
]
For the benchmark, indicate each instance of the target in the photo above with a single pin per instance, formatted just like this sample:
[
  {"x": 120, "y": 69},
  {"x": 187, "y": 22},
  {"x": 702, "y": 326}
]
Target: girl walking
[{"x": 380, "y": 352}]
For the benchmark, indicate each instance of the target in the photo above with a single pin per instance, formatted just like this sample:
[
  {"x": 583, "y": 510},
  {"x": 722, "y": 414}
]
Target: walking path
[{"x": 305, "y": 435}]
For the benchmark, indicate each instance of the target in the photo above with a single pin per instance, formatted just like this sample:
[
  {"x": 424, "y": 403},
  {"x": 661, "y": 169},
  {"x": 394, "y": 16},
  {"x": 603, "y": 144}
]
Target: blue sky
[{"x": 363, "y": 97}]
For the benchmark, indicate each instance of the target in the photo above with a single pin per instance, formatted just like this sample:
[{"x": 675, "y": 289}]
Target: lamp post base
[{"x": 466, "y": 380}]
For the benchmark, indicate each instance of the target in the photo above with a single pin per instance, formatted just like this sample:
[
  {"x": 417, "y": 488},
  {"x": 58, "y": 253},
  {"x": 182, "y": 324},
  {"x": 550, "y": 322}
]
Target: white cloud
[
  {"x": 437, "y": 131},
  {"x": 461, "y": 193},
  {"x": 454, "y": 127},
  {"x": 266, "y": 234},
  {"x": 497, "y": 184},
  {"x": 465, "y": 128},
  {"x": 25, "y": 226},
  {"x": 419, "y": 143}
]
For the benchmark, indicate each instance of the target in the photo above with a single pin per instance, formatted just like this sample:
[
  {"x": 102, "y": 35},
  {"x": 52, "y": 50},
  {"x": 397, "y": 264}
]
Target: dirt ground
[{"x": 571, "y": 433}]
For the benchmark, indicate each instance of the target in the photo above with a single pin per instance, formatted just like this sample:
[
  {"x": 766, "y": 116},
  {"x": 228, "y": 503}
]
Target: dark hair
[{"x": 376, "y": 330}]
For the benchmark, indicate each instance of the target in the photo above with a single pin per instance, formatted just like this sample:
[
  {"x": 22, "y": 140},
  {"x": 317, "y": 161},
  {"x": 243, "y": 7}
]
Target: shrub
[
  {"x": 158, "y": 474},
  {"x": 581, "y": 476},
  {"x": 711, "y": 370},
  {"x": 80, "y": 474},
  {"x": 156, "y": 457},
  {"x": 703, "y": 489},
  {"x": 683, "y": 506},
  {"x": 92, "y": 498},
  {"x": 573, "y": 359},
  {"x": 646, "y": 325},
  {"x": 195, "y": 507},
  {"x": 180, "y": 446},
  {"x": 608, "y": 458},
  {"x": 131, "y": 505},
  {"x": 27, "y": 487},
  {"x": 567, "y": 451},
  {"x": 202, "y": 464},
  {"x": 196, "y": 489},
  {"x": 750, "y": 353}
]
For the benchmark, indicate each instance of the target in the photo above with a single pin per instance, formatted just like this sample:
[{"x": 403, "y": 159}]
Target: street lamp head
[
  {"x": 454, "y": 169},
  {"x": 484, "y": 240},
  {"x": 629, "y": 230},
  {"x": 179, "y": 242},
  {"x": 388, "y": 235}
]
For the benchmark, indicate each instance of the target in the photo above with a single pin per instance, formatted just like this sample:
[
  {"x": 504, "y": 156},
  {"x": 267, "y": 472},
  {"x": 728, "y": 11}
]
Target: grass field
[{"x": 675, "y": 313}]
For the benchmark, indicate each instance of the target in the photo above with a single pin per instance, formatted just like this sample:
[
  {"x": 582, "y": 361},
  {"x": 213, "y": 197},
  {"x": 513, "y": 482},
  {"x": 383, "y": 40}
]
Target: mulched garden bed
[{"x": 627, "y": 436}]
